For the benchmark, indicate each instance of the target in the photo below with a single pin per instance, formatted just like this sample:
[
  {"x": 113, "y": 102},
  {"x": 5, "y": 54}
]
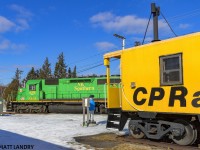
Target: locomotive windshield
[{"x": 32, "y": 87}]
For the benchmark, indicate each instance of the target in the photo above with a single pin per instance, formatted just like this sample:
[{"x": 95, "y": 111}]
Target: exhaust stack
[{"x": 156, "y": 12}]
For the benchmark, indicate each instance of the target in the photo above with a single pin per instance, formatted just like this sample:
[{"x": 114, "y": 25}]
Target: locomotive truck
[
  {"x": 159, "y": 91},
  {"x": 60, "y": 95}
]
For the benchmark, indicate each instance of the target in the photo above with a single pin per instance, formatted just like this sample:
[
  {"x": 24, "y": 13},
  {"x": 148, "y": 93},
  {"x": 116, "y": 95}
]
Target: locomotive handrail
[{"x": 73, "y": 95}]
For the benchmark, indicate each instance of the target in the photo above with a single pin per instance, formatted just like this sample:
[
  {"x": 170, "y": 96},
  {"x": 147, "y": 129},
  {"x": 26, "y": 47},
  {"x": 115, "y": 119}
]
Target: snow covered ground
[{"x": 46, "y": 131}]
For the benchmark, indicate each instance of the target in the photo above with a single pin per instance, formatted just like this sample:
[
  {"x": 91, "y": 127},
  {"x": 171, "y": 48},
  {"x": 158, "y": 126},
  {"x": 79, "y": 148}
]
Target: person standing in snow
[{"x": 92, "y": 109}]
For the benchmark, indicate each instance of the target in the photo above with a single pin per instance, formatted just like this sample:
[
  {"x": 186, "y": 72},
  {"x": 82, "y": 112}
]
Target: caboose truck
[{"x": 159, "y": 91}]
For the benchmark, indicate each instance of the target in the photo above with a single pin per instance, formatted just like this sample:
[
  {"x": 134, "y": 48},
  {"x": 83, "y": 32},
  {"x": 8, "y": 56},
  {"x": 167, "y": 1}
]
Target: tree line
[
  {"x": 61, "y": 71},
  {"x": 45, "y": 72}
]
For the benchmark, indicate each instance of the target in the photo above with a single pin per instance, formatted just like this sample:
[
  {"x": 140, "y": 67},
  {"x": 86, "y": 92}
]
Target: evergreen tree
[
  {"x": 45, "y": 71},
  {"x": 18, "y": 74},
  {"x": 23, "y": 82},
  {"x": 94, "y": 75},
  {"x": 74, "y": 73},
  {"x": 37, "y": 74},
  {"x": 60, "y": 67},
  {"x": 69, "y": 73},
  {"x": 32, "y": 74},
  {"x": 10, "y": 92},
  {"x": 41, "y": 74},
  {"x": 2, "y": 88}
]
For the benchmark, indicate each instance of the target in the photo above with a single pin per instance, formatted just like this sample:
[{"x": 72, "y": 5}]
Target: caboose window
[
  {"x": 171, "y": 69},
  {"x": 32, "y": 87}
]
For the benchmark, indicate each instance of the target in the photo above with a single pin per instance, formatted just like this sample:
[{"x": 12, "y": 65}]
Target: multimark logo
[{"x": 16, "y": 147}]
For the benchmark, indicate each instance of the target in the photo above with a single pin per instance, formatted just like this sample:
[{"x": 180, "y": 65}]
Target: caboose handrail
[
  {"x": 105, "y": 94},
  {"x": 120, "y": 94}
]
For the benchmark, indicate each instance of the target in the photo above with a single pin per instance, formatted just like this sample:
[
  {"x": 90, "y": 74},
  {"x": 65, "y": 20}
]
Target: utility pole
[{"x": 123, "y": 39}]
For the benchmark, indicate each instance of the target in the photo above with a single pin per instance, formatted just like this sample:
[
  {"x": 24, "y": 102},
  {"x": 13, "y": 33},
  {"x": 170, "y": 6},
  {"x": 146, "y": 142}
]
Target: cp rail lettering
[{"x": 157, "y": 94}]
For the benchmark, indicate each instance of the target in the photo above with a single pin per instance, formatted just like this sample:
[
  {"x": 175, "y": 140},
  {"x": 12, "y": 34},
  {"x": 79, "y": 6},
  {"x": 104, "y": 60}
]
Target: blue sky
[{"x": 31, "y": 30}]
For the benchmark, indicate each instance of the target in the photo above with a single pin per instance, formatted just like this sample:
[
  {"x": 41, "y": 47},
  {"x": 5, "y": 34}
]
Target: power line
[
  {"x": 95, "y": 66},
  {"x": 187, "y": 14},
  {"x": 171, "y": 19},
  {"x": 86, "y": 69},
  {"x": 91, "y": 64},
  {"x": 91, "y": 56},
  {"x": 81, "y": 60}
]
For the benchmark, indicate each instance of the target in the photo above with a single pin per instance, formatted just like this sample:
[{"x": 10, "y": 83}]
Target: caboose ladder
[{"x": 116, "y": 119}]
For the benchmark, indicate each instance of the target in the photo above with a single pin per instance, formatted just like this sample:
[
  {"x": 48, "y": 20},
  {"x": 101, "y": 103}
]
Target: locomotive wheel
[
  {"x": 135, "y": 132},
  {"x": 190, "y": 135}
]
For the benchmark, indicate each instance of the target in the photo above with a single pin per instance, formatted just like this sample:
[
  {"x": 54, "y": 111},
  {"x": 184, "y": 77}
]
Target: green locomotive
[{"x": 60, "y": 95}]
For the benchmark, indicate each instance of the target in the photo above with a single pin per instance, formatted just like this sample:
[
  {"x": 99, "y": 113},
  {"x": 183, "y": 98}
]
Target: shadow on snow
[{"x": 9, "y": 140}]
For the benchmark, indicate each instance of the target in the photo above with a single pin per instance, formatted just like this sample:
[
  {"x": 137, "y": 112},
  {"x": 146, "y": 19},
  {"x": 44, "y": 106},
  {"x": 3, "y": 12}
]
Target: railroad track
[
  {"x": 4, "y": 113},
  {"x": 10, "y": 113},
  {"x": 157, "y": 143},
  {"x": 112, "y": 140}
]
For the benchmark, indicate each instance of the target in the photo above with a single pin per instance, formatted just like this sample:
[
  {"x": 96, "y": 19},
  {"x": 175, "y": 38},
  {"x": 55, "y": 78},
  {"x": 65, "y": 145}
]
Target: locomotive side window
[
  {"x": 51, "y": 82},
  {"x": 171, "y": 69},
  {"x": 32, "y": 87}
]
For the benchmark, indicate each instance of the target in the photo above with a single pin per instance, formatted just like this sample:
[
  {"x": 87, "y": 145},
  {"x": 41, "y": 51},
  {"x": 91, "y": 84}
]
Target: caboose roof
[{"x": 118, "y": 53}]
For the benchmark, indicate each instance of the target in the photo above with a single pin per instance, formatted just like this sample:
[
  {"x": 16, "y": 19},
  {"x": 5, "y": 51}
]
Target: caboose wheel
[
  {"x": 134, "y": 131},
  {"x": 189, "y": 136}
]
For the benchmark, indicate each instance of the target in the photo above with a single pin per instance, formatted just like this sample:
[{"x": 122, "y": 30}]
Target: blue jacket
[{"x": 92, "y": 105}]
